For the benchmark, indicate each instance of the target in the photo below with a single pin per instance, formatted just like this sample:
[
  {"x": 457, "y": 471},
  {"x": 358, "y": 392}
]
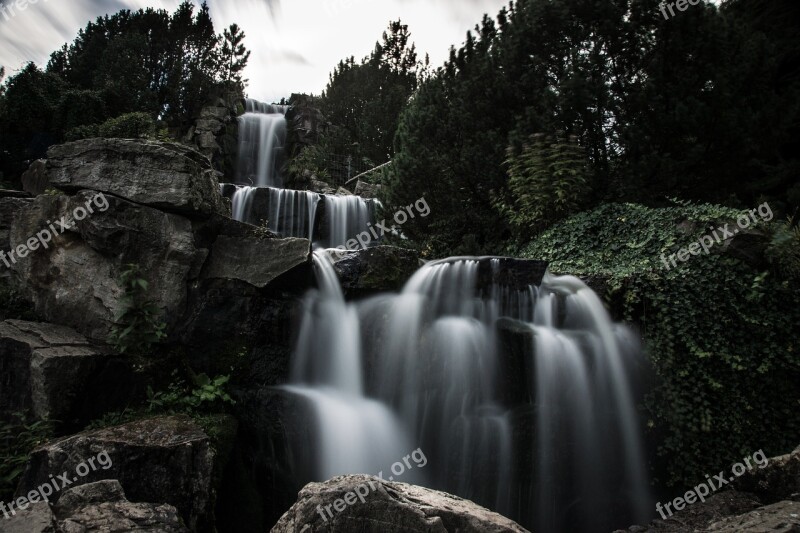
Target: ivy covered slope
[{"x": 721, "y": 332}]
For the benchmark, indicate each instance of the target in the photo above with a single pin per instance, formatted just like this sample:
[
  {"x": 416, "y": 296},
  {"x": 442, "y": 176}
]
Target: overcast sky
[{"x": 294, "y": 43}]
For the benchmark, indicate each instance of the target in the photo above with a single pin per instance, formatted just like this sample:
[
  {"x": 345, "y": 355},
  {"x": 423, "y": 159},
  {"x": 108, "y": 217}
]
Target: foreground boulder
[
  {"x": 100, "y": 506},
  {"x": 54, "y": 372},
  {"x": 369, "y": 504},
  {"x": 167, "y": 176},
  {"x": 164, "y": 459}
]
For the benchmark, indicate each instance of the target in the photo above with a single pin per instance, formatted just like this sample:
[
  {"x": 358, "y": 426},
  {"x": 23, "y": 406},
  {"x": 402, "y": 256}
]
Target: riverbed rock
[
  {"x": 378, "y": 269},
  {"x": 389, "y": 507},
  {"x": 367, "y": 190},
  {"x": 54, "y": 372},
  {"x": 165, "y": 459},
  {"x": 168, "y": 176}
]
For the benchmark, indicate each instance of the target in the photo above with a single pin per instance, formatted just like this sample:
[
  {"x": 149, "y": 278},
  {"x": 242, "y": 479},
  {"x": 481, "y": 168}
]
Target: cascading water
[
  {"x": 347, "y": 216},
  {"x": 288, "y": 213},
  {"x": 427, "y": 368},
  {"x": 262, "y": 135},
  {"x": 354, "y": 434},
  {"x": 291, "y": 213}
]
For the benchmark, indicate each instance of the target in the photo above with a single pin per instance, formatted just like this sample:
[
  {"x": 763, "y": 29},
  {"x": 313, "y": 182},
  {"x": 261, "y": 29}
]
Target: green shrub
[
  {"x": 717, "y": 331},
  {"x": 18, "y": 438},
  {"x": 138, "y": 325},
  {"x": 128, "y": 126}
]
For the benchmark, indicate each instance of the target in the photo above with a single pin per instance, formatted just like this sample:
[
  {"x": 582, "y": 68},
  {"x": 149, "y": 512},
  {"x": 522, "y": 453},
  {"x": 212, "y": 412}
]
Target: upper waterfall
[{"x": 262, "y": 137}]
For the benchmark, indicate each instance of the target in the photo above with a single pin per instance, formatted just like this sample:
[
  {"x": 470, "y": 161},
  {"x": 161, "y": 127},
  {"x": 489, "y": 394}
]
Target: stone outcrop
[
  {"x": 216, "y": 132},
  {"x": 367, "y": 190},
  {"x": 54, "y": 372},
  {"x": 763, "y": 499},
  {"x": 35, "y": 180},
  {"x": 305, "y": 122},
  {"x": 388, "y": 507},
  {"x": 76, "y": 280},
  {"x": 376, "y": 269},
  {"x": 166, "y": 176},
  {"x": 164, "y": 459},
  {"x": 100, "y": 506}
]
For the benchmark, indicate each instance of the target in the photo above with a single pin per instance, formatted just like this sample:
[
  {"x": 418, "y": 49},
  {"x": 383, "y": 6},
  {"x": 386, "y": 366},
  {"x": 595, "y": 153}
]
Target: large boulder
[
  {"x": 167, "y": 176},
  {"x": 164, "y": 459},
  {"x": 100, "y": 506},
  {"x": 254, "y": 260},
  {"x": 75, "y": 280},
  {"x": 216, "y": 131},
  {"x": 378, "y": 269},
  {"x": 54, "y": 372},
  {"x": 9, "y": 209},
  {"x": 369, "y": 504}
]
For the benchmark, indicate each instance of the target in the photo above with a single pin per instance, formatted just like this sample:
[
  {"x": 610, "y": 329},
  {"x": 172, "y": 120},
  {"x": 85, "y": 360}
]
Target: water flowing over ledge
[{"x": 429, "y": 368}]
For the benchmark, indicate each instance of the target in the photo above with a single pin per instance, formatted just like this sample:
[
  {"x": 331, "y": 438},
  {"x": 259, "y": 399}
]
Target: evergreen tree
[{"x": 233, "y": 57}]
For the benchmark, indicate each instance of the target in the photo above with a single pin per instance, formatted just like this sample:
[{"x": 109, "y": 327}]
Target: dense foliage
[
  {"x": 716, "y": 329},
  {"x": 702, "y": 106},
  {"x": 19, "y": 436},
  {"x": 151, "y": 62}
]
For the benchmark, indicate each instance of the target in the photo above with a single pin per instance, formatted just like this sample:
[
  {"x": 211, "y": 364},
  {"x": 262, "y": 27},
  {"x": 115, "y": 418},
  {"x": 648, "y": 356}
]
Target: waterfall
[
  {"x": 427, "y": 368},
  {"x": 354, "y": 434},
  {"x": 291, "y": 213},
  {"x": 347, "y": 217},
  {"x": 287, "y": 213},
  {"x": 262, "y": 136}
]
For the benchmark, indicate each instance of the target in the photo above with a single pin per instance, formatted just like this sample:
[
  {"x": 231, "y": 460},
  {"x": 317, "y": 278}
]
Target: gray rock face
[
  {"x": 168, "y": 176},
  {"x": 9, "y": 209},
  {"x": 35, "y": 180},
  {"x": 367, "y": 190},
  {"x": 386, "y": 507},
  {"x": 781, "y": 517},
  {"x": 75, "y": 281},
  {"x": 779, "y": 480},
  {"x": 215, "y": 134},
  {"x": 254, "y": 260},
  {"x": 100, "y": 506},
  {"x": 382, "y": 268},
  {"x": 165, "y": 459},
  {"x": 46, "y": 369}
]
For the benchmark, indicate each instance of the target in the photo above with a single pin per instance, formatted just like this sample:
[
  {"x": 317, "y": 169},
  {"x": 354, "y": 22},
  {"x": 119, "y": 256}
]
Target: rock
[
  {"x": 781, "y": 517},
  {"x": 166, "y": 459},
  {"x": 167, "y": 176},
  {"x": 320, "y": 186},
  {"x": 256, "y": 261},
  {"x": 35, "y": 180},
  {"x": 378, "y": 269},
  {"x": 734, "y": 510},
  {"x": 10, "y": 193},
  {"x": 367, "y": 190},
  {"x": 54, "y": 372},
  {"x": 341, "y": 191},
  {"x": 388, "y": 507},
  {"x": 305, "y": 123},
  {"x": 779, "y": 480},
  {"x": 75, "y": 281},
  {"x": 36, "y": 518},
  {"x": 9, "y": 209},
  {"x": 102, "y": 506},
  {"x": 215, "y": 134}
]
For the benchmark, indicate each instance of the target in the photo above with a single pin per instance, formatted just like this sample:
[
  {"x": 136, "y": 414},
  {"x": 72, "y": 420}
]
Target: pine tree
[{"x": 233, "y": 57}]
